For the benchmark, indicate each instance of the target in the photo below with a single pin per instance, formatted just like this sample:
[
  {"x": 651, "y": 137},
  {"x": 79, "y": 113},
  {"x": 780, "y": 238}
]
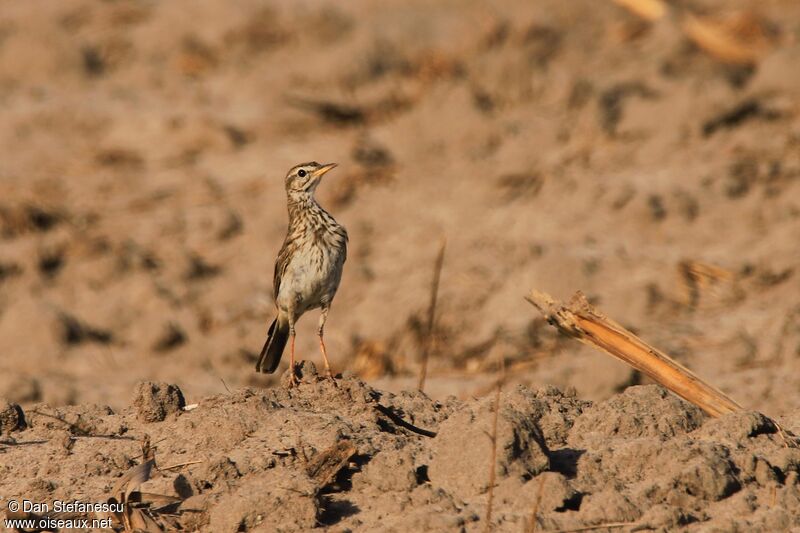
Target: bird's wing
[
  {"x": 344, "y": 245},
  {"x": 281, "y": 264}
]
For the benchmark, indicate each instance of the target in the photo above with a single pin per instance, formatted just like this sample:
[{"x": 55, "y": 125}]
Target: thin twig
[
  {"x": 179, "y": 465},
  {"x": 789, "y": 439},
  {"x": 225, "y": 385},
  {"x": 597, "y": 526},
  {"x": 73, "y": 427},
  {"x": 492, "y": 466},
  {"x": 152, "y": 445},
  {"x": 428, "y": 341},
  {"x": 493, "y": 463},
  {"x": 534, "y": 514}
]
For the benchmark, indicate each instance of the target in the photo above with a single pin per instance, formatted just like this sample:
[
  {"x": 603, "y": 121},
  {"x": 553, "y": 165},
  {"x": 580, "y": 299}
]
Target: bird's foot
[{"x": 294, "y": 381}]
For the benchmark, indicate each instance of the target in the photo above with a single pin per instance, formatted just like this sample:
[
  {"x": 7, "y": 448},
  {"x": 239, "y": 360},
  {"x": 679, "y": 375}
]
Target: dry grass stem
[
  {"x": 429, "y": 335},
  {"x": 493, "y": 459},
  {"x": 181, "y": 465},
  {"x": 580, "y": 320},
  {"x": 532, "y": 524}
]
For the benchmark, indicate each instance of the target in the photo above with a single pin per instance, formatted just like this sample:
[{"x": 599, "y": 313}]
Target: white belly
[{"x": 310, "y": 281}]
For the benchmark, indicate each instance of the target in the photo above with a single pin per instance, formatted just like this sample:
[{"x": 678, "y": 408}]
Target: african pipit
[{"x": 308, "y": 268}]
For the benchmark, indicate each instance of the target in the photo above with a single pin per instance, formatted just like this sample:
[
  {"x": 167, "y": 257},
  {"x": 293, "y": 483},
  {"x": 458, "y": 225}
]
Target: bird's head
[{"x": 304, "y": 178}]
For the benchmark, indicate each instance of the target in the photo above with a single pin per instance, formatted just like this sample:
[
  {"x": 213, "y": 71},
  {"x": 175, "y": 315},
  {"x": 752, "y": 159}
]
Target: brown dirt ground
[{"x": 555, "y": 145}]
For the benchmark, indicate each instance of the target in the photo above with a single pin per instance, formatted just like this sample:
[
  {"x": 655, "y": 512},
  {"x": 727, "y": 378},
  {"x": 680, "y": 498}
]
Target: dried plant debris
[
  {"x": 200, "y": 269},
  {"x": 104, "y": 56},
  {"x": 132, "y": 255},
  {"x": 650, "y": 10},
  {"x": 172, "y": 336},
  {"x": 197, "y": 58},
  {"x": 75, "y": 331},
  {"x": 51, "y": 261},
  {"x": 375, "y": 167},
  {"x": 326, "y": 465},
  {"x": 612, "y": 102},
  {"x": 581, "y": 320},
  {"x": 429, "y": 341},
  {"x": 369, "y": 153},
  {"x": 749, "y": 109},
  {"x": 520, "y": 185},
  {"x": 9, "y": 270},
  {"x": 239, "y": 137},
  {"x": 120, "y": 159},
  {"x": 371, "y": 359},
  {"x": 706, "y": 282},
  {"x": 263, "y": 31},
  {"x": 17, "y": 220},
  {"x": 232, "y": 225},
  {"x": 336, "y": 113},
  {"x": 141, "y": 511},
  {"x": 541, "y": 44},
  {"x": 742, "y": 39},
  {"x": 343, "y": 114}
]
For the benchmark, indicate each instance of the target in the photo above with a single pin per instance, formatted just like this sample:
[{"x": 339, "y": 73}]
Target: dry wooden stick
[
  {"x": 428, "y": 341},
  {"x": 580, "y": 320}
]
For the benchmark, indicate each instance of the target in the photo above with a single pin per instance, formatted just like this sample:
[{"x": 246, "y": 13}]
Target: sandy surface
[{"x": 555, "y": 145}]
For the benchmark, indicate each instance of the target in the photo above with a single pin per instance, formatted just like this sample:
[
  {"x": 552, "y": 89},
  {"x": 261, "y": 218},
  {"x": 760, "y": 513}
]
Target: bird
[{"x": 308, "y": 269}]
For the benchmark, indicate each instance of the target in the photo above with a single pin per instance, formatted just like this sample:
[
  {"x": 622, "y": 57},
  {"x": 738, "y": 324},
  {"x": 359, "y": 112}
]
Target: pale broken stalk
[{"x": 580, "y": 320}]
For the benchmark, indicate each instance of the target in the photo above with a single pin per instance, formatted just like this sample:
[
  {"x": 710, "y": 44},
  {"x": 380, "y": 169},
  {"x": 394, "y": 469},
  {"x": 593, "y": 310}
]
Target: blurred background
[{"x": 645, "y": 152}]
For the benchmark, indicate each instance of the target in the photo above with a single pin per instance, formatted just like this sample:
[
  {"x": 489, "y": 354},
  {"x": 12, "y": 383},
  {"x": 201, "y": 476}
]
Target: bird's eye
[{"x": 301, "y": 173}]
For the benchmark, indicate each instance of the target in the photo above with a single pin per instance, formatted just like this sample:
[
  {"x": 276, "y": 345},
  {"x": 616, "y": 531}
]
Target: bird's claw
[{"x": 293, "y": 380}]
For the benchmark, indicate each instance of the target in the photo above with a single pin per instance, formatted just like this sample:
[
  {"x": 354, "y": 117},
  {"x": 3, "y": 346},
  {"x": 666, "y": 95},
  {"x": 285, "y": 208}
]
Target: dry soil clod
[
  {"x": 154, "y": 401},
  {"x": 11, "y": 417}
]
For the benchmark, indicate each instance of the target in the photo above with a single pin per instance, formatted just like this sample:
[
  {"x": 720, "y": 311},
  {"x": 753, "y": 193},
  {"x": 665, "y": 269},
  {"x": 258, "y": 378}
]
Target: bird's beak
[{"x": 324, "y": 169}]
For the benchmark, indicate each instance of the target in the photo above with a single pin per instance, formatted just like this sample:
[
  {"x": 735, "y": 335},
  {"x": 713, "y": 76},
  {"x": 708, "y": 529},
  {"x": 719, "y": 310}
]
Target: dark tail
[{"x": 273, "y": 349}]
